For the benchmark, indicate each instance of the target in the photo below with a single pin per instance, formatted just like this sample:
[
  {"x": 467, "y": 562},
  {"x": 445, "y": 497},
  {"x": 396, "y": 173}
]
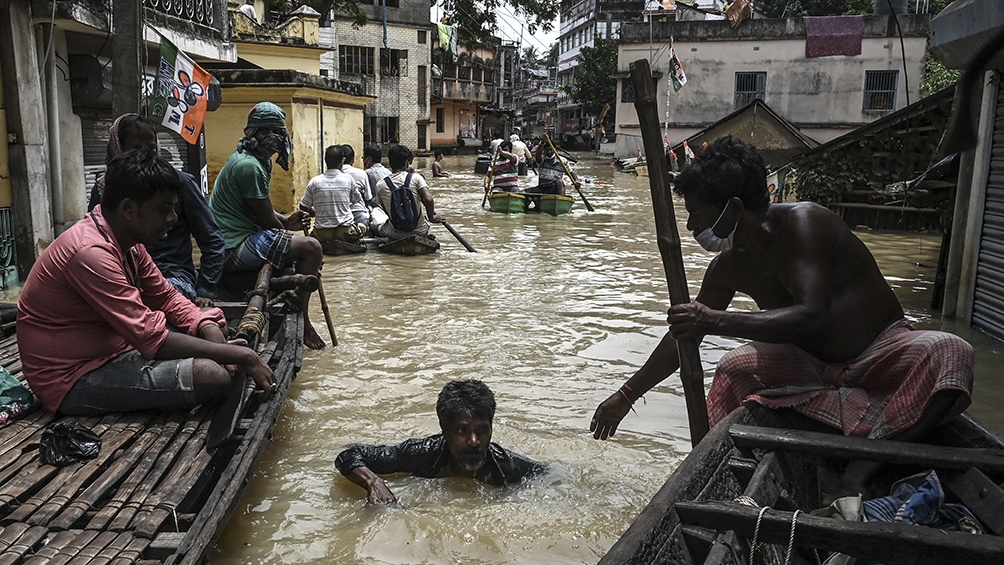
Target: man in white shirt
[
  {"x": 248, "y": 10},
  {"x": 521, "y": 151},
  {"x": 331, "y": 198},
  {"x": 361, "y": 211}
]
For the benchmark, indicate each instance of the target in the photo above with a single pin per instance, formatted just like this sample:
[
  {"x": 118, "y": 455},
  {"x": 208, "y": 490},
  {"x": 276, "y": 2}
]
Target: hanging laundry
[{"x": 676, "y": 70}]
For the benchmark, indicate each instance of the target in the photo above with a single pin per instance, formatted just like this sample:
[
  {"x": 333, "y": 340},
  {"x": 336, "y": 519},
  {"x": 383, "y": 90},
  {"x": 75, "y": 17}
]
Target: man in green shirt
[{"x": 254, "y": 233}]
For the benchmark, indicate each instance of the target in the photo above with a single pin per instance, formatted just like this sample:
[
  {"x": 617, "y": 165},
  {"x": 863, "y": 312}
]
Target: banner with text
[{"x": 180, "y": 95}]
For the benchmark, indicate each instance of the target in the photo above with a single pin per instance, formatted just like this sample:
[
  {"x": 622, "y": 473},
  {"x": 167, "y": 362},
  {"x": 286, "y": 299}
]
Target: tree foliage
[
  {"x": 937, "y": 76},
  {"x": 593, "y": 87}
]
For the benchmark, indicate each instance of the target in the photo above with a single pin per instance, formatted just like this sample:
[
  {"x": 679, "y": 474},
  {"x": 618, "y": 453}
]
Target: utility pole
[{"x": 127, "y": 62}]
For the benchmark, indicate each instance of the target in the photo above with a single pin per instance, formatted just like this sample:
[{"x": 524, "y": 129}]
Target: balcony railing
[
  {"x": 209, "y": 13},
  {"x": 453, "y": 89}
]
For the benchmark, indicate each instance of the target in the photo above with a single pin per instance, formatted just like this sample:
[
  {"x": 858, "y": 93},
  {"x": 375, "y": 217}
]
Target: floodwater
[{"x": 553, "y": 313}]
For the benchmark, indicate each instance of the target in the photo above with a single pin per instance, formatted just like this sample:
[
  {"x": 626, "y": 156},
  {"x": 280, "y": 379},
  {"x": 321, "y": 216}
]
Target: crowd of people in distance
[{"x": 114, "y": 316}]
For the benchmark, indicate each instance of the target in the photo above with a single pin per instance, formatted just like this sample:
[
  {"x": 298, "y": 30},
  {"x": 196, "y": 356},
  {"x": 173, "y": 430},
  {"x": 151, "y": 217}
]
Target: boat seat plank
[
  {"x": 884, "y": 542},
  {"x": 980, "y": 495},
  {"x": 765, "y": 486},
  {"x": 699, "y": 541},
  {"x": 886, "y": 451},
  {"x": 727, "y": 550}
]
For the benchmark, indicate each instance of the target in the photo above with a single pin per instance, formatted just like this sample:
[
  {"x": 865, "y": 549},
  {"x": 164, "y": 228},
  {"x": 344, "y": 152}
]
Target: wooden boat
[
  {"x": 784, "y": 461},
  {"x": 155, "y": 493},
  {"x": 530, "y": 202},
  {"x": 411, "y": 245}
]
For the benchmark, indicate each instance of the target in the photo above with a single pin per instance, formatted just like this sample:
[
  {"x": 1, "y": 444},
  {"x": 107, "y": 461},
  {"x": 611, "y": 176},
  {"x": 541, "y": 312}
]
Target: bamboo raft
[
  {"x": 710, "y": 508},
  {"x": 155, "y": 493},
  {"x": 411, "y": 245}
]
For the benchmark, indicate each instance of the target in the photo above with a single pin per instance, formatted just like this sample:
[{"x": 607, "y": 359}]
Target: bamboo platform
[{"x": 154, "y": 493}]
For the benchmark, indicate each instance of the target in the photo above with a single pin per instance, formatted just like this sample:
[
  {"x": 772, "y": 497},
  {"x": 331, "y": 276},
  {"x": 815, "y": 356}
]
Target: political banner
[
  {"x": 676, "y": 71},
  {"x": 180, "y": 94}
]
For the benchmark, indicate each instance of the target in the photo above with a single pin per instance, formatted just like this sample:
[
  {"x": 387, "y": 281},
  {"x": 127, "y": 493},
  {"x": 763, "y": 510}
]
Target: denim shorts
[
  {"x": 267, "y": 246},
  {"x": 130, "y": 382}
]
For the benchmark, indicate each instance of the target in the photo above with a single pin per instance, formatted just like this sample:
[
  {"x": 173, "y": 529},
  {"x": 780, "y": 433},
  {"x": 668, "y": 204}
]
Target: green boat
[
  {"x": 529, "y": 203},
  {"x": 554, "y": 204},
  {"x": 508, "y": 202}
]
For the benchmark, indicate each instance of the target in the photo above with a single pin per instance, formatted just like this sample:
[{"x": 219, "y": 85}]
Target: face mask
[
  {"x": 711, "y": 242},
  {"x": 279, "y": 144}
]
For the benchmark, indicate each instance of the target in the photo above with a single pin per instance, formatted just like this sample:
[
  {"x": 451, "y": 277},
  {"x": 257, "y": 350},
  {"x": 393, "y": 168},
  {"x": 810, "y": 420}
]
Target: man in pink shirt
[{"x": 93, "y": 315}]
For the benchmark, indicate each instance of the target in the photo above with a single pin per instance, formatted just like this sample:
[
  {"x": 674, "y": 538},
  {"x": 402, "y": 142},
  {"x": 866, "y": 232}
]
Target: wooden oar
[
  {"x": 668, "y": 237},
  {"x": 250, "y": 329},
  {"x": 491, "y": 173},
  {"x": 575, "y": 181},
  {"x": 459, "y": 237},
  {"x": 324, "y": 306}
]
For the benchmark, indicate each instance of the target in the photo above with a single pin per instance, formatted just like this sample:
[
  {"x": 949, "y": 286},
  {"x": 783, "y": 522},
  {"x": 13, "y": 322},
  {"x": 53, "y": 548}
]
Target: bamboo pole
[{"x": 668, "y": 237}]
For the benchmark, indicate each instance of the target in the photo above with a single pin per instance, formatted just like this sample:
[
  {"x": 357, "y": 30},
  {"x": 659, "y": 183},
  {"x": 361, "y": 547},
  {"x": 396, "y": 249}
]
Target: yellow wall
[
  {"x": 5, "y": 188},
  {"x": 270, "y": 56},
  {"x": 343, "y": 122}
]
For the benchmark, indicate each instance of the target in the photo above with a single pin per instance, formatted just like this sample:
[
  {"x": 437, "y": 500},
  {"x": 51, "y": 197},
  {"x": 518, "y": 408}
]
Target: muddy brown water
[{"x": 553, "y": 313}]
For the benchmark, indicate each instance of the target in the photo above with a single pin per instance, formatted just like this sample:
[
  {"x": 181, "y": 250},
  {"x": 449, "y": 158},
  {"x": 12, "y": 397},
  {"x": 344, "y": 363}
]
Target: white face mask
[{"x": 711, "y": 242}]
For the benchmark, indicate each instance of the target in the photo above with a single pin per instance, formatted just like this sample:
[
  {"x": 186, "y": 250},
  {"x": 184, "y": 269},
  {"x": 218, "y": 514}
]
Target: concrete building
[
  {"x": 390, "y": 59},
  {"x": 970, "y": 34},
  {"x": 60, "y": 60},
  {"x": 580, "y": 24},
  {"x": 538, "y": 90},
  {"x": 727, "y": 68},
  {"x": 462, "y": 84}
]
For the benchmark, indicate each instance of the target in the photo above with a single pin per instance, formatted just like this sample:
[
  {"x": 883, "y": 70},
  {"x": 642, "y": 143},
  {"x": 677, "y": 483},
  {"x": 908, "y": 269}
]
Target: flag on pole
[
  {"x": 180, "y": 93},
  {"x": 676, "y": 70}
]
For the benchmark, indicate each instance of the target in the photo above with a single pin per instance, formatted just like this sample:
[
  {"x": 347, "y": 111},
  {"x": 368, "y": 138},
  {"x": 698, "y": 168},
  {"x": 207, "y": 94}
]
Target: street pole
[{"x": 127, "y": 65}]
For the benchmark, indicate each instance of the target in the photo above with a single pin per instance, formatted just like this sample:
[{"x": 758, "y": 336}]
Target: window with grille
[
  {"x": 880, "y": 91},
  {"x": 627, "y": 90},
  {"x": 380, "y": 129},
  {"x": 394, "y": 62},
  {"x": 355, "y": 60},
  {"x": 750, "y": 86}
]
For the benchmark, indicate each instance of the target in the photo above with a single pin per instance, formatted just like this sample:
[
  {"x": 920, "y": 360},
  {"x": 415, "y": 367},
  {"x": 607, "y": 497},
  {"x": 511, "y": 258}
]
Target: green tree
[
  {"x": 551, "y": 59},
  {"x": 530, "y": 57},
  {"x": 937, "y": 76},
  {"x": 593, "y": 87}
]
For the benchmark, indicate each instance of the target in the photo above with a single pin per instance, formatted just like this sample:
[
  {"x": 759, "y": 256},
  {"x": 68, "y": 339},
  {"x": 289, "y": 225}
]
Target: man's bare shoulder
[{"x": 804, "y": 219}]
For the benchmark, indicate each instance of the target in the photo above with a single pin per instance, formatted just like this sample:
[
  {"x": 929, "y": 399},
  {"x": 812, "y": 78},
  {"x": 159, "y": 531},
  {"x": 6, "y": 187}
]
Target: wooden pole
[
  {"x": 324, "y": 305},
  {"x": 668, "y": 237},
  {"x": 491, "y": 174}
]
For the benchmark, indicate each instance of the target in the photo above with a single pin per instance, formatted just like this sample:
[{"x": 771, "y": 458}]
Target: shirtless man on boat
[{"x": 830, "y": 340}]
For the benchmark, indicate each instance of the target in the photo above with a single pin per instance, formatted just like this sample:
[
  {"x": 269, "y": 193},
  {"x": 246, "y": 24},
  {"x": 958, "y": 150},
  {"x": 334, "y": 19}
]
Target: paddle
[
  {"x": 491, "y": 173},
  {"x": 459, "y": 237},
  {"x": 668, "y": 238},
  {"x": 575, "y": 181},
  {"x": 324, "y": 306}
]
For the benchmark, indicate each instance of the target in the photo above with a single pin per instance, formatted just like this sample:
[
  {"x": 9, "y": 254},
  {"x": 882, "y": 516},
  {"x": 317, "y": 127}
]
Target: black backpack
[{"x": 403, "y": 208}]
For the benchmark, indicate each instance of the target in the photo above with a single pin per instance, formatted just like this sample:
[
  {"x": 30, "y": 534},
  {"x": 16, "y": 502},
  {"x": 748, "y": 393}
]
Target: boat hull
[
  {"x": 411, "y": 245},
  {"x": 508, "y": 202},
  {"x": 555, "y": 204},
  {"x": 675, "y": 528}
]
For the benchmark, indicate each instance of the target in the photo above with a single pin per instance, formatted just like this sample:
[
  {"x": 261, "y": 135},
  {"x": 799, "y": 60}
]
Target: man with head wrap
[{"x": 254, "y": 232}]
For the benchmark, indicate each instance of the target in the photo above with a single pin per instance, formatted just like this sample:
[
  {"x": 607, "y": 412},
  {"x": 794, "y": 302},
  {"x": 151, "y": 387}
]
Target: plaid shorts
[{"x": 267, "y": 246}]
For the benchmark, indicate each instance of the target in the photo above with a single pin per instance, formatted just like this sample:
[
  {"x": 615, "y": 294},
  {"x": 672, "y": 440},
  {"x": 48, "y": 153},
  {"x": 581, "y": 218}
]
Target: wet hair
[
  {"x": 399, "y": 156},
  {"x": 438, "y": 154},
  {"x": 138, "y": 175},
  {"x": 505, "y": 146},
  {"x": 727, "y": 168},
  {"x": 334, "y": 156},
  {"x": 373, "y": 151},
  {"x": 348, "y": 153},
  {"x": 465, "y": 397}
]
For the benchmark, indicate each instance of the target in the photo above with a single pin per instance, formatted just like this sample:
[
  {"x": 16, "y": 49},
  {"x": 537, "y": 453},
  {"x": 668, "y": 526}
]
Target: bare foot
[{"x": 311, "y": 339}]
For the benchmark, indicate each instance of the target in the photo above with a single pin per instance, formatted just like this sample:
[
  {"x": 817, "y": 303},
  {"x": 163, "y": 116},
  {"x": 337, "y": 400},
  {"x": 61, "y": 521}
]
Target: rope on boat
[
  {"x": 754, "y": 545},
  {"x": 791, "y": 538},
  {"x": 253, "y": 322}
]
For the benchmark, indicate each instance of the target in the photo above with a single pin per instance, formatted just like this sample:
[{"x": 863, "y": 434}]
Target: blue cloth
[{"x": 920, "y": 499}]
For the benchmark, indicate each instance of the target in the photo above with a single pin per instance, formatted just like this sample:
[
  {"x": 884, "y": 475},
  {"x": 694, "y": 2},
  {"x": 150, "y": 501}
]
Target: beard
[{"x": 471, "y": 461}]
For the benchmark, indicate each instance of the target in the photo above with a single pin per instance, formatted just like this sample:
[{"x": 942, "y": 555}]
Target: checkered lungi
[
  {"x": 272, "y": 246},
  {"x": 880, "y": 393}
]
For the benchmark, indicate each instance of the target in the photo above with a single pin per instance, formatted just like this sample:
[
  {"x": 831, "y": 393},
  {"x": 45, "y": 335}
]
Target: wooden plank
[
  {"x": 885, "y": 542},
  {"x": 89, "y": 553},
  {"x": 980, "y": 495},
  {"x": 765, "y": 486},
  {"x": 71, "y": 545},
  {"x": 727, "y": 550},
  {"x": 48, "y": 552},
  {"x": 835, "y": 446},
  {"x": 699, "y": 541},
  {"x": 106, "y": 555}
]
